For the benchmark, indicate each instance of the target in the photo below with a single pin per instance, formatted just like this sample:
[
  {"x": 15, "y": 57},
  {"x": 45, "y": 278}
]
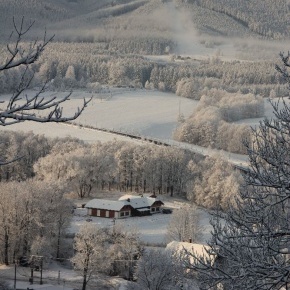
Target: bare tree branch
[{"x": 21, "y": 107}]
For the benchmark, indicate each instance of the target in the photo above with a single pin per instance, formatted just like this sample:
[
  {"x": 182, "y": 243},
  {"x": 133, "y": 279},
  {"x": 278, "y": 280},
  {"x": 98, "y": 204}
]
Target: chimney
[
  {"x": 128, "y": 199},
  {"x": 190, "y": 240}
]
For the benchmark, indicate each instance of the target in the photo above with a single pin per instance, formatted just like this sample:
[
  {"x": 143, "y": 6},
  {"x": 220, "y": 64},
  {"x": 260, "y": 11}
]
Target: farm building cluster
[{"x": 126, "y": 206}]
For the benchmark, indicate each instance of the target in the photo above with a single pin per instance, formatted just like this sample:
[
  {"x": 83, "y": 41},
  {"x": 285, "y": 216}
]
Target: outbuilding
[
  {"x": 109, "y": 208},
  {"x": 143, "y": 205}
]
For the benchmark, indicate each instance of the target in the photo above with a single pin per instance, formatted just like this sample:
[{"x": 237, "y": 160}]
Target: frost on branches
[
  {"x": 21, "y": 107},
  {"x": 251, "y": 242}
]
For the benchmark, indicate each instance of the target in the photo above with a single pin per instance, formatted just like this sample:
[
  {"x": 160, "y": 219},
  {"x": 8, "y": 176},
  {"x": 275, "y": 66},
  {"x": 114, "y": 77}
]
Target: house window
[
  {"x": 153, "y": 209},
  {"x": 157, "y": 208},
  {"x": 124, "y": 213}
]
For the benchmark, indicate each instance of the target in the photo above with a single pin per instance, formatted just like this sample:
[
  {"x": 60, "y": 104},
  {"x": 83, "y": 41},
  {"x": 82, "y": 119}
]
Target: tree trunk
[
  {"x": 84, "y": 281},
  {"x": 131, "y": 181},
  {"x": 58, "y": 244},
  {"x": 85, "y": 274},
  {"x": 6, "y": 248}
]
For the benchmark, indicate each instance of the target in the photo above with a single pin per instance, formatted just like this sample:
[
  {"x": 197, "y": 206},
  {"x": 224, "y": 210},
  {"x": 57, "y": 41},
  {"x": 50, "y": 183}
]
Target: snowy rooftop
[
  {"x": 106, "y": 204},
  {"x": 179, "y": 247},
  {"x": 139, "y": 201},
  {"x": 135, "y": 201}
]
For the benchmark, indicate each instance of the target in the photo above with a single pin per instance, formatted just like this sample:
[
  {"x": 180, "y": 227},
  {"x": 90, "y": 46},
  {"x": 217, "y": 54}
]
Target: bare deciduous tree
[{"x": 21, "y": 107}]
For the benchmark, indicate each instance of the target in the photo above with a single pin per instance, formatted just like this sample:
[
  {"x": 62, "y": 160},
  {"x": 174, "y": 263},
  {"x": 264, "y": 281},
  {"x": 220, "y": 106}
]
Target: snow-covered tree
[
  {"x": 124, "y": 250},
  {"x": 251, "y": 242},
  {"x": 184, "y": 225},
  {"x": 33, "y": 215},
  {"x": 155, "y": 271},
  {"x": 216, "y": 184},
  {"x": 90, "y": 257},
  {"x": 21, "y": 107}
]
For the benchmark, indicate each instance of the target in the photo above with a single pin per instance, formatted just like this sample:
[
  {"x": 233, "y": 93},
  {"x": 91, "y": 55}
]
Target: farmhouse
[{"x": 124, "y": 207}]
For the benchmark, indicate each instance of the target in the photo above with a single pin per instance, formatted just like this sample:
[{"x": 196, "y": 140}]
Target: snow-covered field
[
  {"x": 147, "y": 113},
  {"x": 152, "y": 229},
  {"x": 142, "y": 112},
  {"x": 54, "y": 277}
]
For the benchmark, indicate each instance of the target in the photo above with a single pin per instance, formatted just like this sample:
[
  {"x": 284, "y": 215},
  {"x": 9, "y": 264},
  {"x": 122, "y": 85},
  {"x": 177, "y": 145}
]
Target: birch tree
[{"x": 90, "y": 257}]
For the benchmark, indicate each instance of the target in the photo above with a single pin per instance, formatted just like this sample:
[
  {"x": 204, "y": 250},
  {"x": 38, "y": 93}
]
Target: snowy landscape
[{"x": 182, "y": 105}]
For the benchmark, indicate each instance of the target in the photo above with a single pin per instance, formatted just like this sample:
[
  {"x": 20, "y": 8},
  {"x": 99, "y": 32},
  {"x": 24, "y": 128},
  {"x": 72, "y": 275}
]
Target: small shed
[{"x": 109, "y": 208}]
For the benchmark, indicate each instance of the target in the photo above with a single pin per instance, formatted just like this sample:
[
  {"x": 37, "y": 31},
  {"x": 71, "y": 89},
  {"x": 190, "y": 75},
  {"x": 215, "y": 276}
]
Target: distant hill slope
[
  {"x": 47, "y": 13},
  {"x": 136, "y": 18},
  {"x": 265, "y": 17},
  {"x": 41, "y": 11}
]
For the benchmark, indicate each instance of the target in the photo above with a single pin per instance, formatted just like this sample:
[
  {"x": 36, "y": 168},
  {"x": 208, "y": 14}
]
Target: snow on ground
[
  {"x": 254, "y": 122},
  {"x": 152, "y": 231},
  {"x": 152, "y": 228},
  {"x": 147, "y": 113},
  {"x": 142, "y": 112},
  {"x": 55, "y": 277}
]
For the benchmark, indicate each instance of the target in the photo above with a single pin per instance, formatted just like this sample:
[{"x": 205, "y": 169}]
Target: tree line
[
  {"x": 211, "y": 124},
  {"x": 117, "y": 165},
  {"x": 77, "y": 67},
  {"x": 34, "y": 216}
]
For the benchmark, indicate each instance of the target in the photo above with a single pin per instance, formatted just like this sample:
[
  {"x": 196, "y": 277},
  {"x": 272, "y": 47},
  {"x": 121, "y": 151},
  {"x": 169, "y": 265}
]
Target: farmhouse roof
[
  {"x": 139, "y": 201},
  {"x": 107, "y": 204},
  {"x": 181, "y": 247}
]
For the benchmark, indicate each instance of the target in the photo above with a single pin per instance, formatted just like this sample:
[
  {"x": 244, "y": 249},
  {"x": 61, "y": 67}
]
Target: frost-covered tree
[
  {"x": 21, "y": 107},
  {"x": 155, "y": 271},
  {"x": 124, "y": 250},
  {"x": 33, "y": 215},
  {"x": 184, "y": 225},
  {"x": 216, "y": 183},
  {"x": 90, "y": 257},
  {"x": 251, "y": 243}
]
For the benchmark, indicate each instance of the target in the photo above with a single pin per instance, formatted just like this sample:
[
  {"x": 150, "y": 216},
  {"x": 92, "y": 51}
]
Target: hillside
[{"x": 110, "y": 19}]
